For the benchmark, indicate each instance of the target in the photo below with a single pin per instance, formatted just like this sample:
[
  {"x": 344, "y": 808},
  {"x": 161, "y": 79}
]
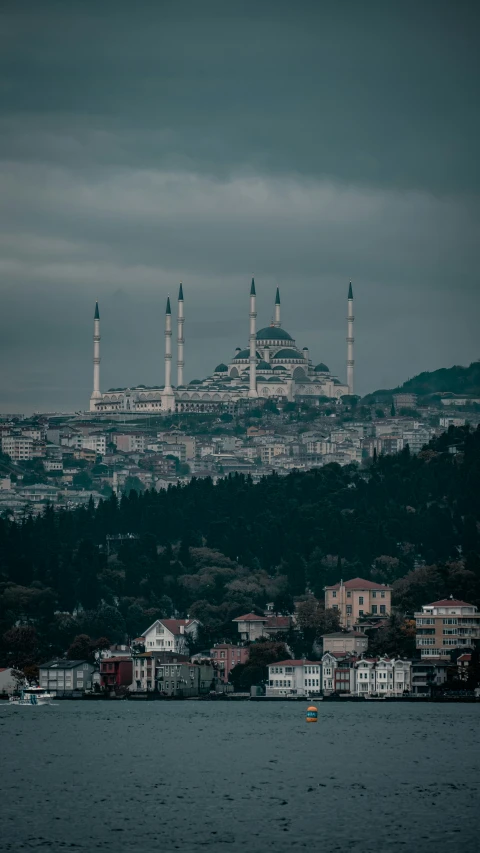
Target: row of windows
[{"x": 360, "y": 597}]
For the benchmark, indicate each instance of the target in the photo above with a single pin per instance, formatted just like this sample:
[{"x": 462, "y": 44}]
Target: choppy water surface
[{"x": 191, "y": 776}]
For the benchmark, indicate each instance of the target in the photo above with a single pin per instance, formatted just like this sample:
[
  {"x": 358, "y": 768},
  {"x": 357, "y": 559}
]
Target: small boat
[{"x": 32, "y": 696}]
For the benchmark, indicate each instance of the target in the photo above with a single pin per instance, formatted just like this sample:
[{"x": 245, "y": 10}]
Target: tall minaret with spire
[
  {"x": 277, "y": 322},
  {"x": 180, "y": 338},
  {"x": 253, "y": 342},
  {"x": 168, "y": 398},
  {"x": 350, "y": 339},
  {"x": 96, "y": 393}
]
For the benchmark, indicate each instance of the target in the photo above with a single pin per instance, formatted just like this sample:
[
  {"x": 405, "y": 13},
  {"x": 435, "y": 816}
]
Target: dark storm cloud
[{"x": 141, "y": 144}]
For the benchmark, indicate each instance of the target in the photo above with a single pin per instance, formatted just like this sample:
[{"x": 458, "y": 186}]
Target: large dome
[
  {"x": 244, "y": 353},
  {"x": 273, "y": 333},
  {"x": 322, "y": 368},
  {"x": 288, "y": 355}
]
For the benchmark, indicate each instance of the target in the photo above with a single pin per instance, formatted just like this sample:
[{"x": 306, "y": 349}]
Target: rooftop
[{"x": 360, "y": 583}]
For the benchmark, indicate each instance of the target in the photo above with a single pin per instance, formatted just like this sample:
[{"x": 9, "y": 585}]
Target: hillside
[
  {"x": 215, "y": 551},
  {"x": 453, "y": 380}
]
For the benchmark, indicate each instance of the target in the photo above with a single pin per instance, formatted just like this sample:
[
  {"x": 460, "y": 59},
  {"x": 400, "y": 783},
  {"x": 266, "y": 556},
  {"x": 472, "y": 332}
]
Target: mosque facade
[{"x": 271, "y": 367}]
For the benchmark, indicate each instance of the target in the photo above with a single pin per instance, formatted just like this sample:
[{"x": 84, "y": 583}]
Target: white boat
[{"x": 32, "y": 696}]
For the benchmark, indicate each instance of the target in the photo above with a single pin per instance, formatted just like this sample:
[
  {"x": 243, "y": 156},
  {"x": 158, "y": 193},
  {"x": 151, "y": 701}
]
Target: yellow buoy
[{"x": 311, "y": 714}]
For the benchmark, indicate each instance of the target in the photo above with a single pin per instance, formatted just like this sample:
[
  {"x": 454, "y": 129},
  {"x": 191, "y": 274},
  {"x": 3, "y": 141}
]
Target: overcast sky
[{"x": 147, "y": 143}]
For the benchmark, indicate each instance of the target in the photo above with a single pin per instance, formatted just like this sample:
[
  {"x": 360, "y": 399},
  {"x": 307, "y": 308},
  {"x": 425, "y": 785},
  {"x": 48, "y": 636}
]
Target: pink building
[{"x": 226, "y": 656}]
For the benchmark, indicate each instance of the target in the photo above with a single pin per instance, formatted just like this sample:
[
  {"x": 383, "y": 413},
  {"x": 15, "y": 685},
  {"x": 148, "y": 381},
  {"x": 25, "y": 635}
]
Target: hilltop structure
[{"x": 271, "y": 367}]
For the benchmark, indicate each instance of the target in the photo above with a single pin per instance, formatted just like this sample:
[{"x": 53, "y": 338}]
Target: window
[
  {"x": 374, "y": 608},
  {"x": 85, "y": 665},
  {"x": 360, "y": 612},
  {"x": 349, "y": 594},
  {"x": 360, "y": 599},
  {"x": 334, "y": 594},
  {"x": 222, "y": 654},
  {"x": 382, "y": 594},
  {"x": 383, "y": 609},
  {"x": 349, "y": 609},
  {"x": 374, "y": 594}
]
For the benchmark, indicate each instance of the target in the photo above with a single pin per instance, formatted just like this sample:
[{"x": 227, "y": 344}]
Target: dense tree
[{"x": 217, "y": 551}]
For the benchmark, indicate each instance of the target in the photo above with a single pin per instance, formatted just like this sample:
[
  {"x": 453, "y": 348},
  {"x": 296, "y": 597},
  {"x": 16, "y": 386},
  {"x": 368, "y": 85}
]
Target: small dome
[
  {"x": 279, "y": 369},
  {"x": 263, "y": 365},
  {"x": 195, "y": 382},
  {"x": 322, "y": 368},
  {"x": 288, "y": 355},
  {"x": 273, "y": 333},
  {"x": 274, "y": 379},
  {"x": 261, "y": 379},
  {"x": 221, "y": 368}
]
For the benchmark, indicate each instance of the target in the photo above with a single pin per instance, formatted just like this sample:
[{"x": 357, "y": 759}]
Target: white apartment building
[
  {"x": 131, "y": 442},
  {"x": 382, "y": 676},
  {"x": 294, "y": 677},
  {"x": 18, "y": 447},
  {"x": 170, "y": 635}
]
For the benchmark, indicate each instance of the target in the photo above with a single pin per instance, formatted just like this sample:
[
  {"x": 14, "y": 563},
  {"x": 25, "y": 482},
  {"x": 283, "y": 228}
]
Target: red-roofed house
[
  {"x": 446, "y": 625},
  {"x": 170, "y": 635},
  {"x": 294, "y": 677},
  {"x": 356, "y": 598},
  {"x": 251, "y": 626}
]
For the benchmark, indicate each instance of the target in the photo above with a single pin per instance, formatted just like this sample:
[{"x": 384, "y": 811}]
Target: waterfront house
[
  {"x": 62, "y": 677},
  {"x": 170, "y": 635},
  {"x": 185, "y": 678},
  {"x": 356, "y": 598},
  {"x": 338, "y": 674},
  {"x": 116, "y": 671},
  {"x": 145, "y": 665},
  {"x": 294, "y": 677},
  {"x": 8, "y": 682},
  {"x": 225, "y": 656},
  {"x": 446, "y": 625},
  {"x": 383, "y": 676},
  {"x": 427, "y": 674}
]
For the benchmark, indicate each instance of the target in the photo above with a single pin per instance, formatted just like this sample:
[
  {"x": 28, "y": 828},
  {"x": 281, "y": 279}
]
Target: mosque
[{"x": 271, "y": 367}]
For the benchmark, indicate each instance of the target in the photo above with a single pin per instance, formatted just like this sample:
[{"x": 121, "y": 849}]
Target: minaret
[
  {"x": 350, "y": 339},
  {"x": 96, "y": 393},
  {"x": 253, "y": 342},
  {"x": 180, "y": 338},
  {"x": 277, "y": 309},
  {"x": 168, "y": 398}
]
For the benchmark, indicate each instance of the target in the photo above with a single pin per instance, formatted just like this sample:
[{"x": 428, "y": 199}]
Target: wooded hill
[
  {"x": 453, "y": 380},
  {"x": 215, "y": 551}
]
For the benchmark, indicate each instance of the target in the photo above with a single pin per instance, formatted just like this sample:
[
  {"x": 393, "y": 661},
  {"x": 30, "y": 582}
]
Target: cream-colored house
[
  {"x": 356, "y": 598},
  {"x": 345, "y": 642}
]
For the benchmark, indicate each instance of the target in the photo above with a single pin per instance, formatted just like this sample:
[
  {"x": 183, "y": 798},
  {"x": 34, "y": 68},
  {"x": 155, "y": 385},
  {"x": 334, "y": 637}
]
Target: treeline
[
  {"x": 456, "y": 380},
  {"x": 215, "y": 551}
]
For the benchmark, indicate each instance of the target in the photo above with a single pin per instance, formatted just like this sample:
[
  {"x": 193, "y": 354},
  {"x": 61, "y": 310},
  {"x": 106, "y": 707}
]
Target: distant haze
[{"x": 310, "y": 143}]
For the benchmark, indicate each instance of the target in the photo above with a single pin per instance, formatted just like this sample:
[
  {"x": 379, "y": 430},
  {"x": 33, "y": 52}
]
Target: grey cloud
[{"x": 308, "y": 143}]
